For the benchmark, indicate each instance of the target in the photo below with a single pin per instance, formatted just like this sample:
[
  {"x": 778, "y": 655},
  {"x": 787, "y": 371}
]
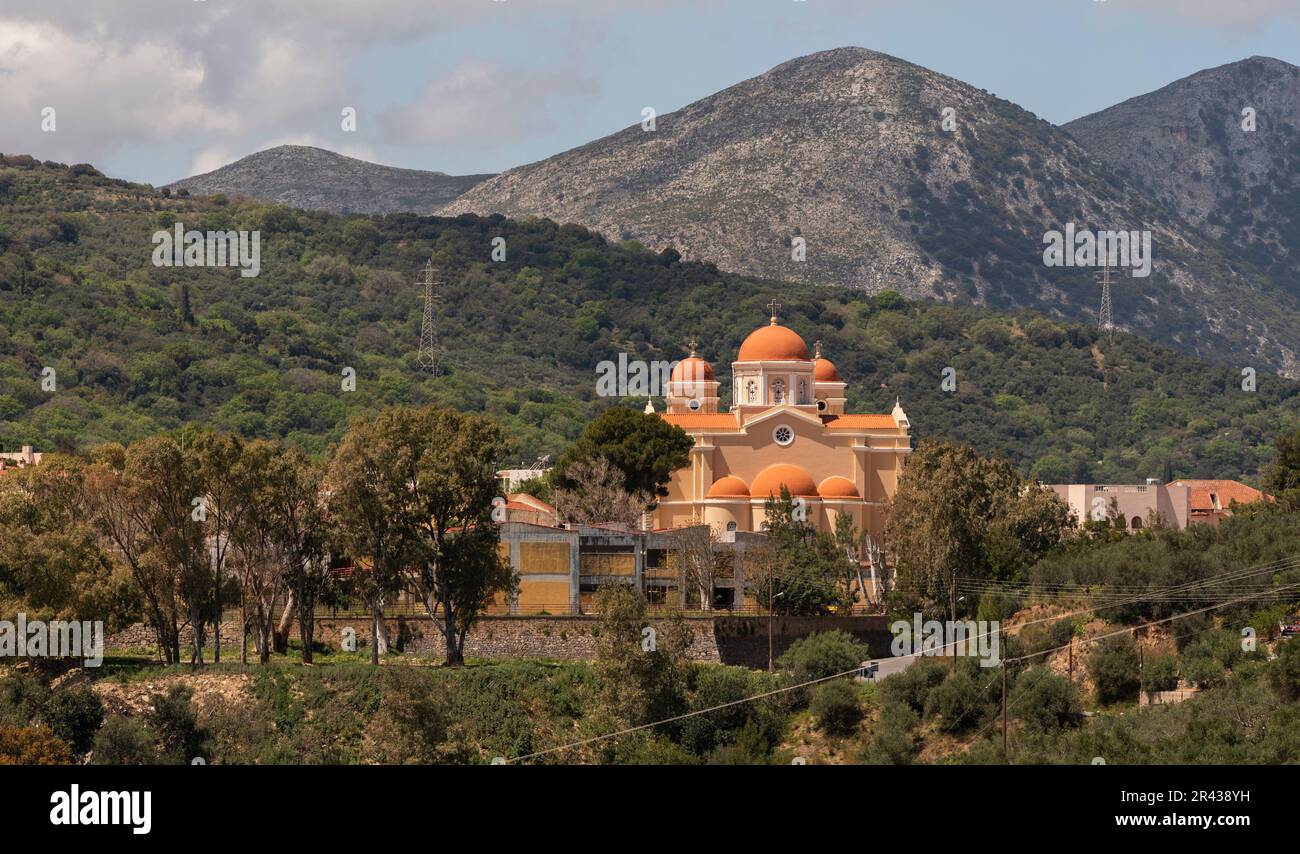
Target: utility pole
[
  {"x": 1006, "y": 757},
  {"x": 428, "y": 356},
  {"x": 771, "y": 612},
  {"x": 952, "y": 624},
  {"x": 1104, "y": 319}
]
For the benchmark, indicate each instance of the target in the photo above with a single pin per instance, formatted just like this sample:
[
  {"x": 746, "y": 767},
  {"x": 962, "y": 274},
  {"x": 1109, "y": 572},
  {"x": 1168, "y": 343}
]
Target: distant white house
[
  {"x": 1132, "y": 504},
  {"x": 21, "y": 459}
]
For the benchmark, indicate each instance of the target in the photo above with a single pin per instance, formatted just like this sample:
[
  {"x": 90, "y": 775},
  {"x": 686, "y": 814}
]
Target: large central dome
[{"x": 772, "y": 343}]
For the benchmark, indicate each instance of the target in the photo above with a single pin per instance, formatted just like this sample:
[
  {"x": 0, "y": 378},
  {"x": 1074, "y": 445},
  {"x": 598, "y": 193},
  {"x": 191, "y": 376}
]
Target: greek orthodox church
[{"x": 786, "y": 427}]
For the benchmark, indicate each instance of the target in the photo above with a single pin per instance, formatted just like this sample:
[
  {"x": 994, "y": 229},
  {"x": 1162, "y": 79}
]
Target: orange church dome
[
  {"x": 773, "y": 343},
  {"x": 824, "y": 371},
  {"x": 692, "y": 369},
  {"x": 729, "y": 487},
  {"x": 794, "y": 478},
  {"x": 838, "y": 487}
]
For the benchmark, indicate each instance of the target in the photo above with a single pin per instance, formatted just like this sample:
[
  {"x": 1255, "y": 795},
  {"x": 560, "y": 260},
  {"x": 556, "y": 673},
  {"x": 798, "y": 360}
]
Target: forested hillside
[{"x": 138, "y": 348}]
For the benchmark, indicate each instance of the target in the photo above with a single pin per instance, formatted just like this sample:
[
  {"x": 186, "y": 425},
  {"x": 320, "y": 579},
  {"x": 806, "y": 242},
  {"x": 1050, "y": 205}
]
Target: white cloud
[{"x": 485, "y": 101}]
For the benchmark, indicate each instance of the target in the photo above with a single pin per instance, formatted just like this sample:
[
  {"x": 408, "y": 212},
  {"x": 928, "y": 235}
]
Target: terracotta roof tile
[
  {"x": 859, "y": 422},
  {"x": 702, "y": 420},
  {"x": 1227, "y": 491}
]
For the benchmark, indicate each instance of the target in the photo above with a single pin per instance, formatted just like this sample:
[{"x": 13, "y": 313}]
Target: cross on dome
[{"x": 772, "y": 308}]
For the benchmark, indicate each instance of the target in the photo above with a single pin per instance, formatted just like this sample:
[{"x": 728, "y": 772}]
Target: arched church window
[
  {"x": 751, "y": 391},
  {"x": 803, "y": 392},
  {"x": 778, "y": 391}
]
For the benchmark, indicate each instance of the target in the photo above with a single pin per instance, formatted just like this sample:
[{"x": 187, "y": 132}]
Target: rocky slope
[
  {"x": 1188, "y": 145},
  {"x": 847, "y": 150},
  {"x": 316, "y": 179}
]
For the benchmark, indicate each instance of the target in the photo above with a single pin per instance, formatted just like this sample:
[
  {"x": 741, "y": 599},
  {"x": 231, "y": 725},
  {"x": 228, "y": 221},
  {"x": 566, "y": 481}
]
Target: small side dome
[
  {"x": 824, "y": 369},
  {"x": 838, "y": 487},
  {"x": 794, "y": 478},
  {"x": 692, "y": 369},
  {"x": 824, "y": 372},
  {"x": 728, "y": 487}
]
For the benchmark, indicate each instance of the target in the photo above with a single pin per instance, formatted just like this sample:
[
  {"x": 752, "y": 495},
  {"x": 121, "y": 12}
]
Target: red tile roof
[
  {"x": 1227, "y": 491},
  {"x": 702, "y": 420},
  {"x": 859, "y": 422}
]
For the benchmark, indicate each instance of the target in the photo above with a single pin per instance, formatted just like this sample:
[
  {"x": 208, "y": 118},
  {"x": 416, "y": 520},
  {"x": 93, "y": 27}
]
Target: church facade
[{"x": 786, "y": 426}]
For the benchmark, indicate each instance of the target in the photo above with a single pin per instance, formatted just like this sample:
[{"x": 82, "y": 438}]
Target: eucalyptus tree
[
  {"x": 147, "y": 500},
  {"x": 412, "y": 492}
]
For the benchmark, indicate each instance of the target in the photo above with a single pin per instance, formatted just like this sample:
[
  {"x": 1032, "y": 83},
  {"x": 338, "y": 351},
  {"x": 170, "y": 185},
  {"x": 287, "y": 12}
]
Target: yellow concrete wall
[
  {"x": 607, "y": 564},
  {"x": 543, "y": 594},
  {"x": 549, "y": 558}
]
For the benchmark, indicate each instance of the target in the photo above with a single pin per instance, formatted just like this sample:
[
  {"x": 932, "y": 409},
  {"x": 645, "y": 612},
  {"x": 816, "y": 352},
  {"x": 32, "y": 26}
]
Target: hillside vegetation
[{"x": 138, "y": 348}]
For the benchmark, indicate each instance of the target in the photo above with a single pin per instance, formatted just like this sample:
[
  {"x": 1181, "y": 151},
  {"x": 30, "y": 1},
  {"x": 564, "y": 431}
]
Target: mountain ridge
[
  {"x": 1187, "y": 145},
  {"x": 846, "y": 150},
  {"x": 312, "y": 178}
]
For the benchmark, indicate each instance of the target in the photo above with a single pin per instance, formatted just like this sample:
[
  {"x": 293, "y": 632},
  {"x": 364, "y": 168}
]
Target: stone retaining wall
[{"x": 741, "y": 640}]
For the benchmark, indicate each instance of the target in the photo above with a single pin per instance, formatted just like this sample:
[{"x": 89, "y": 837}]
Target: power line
[
  {"x": 1244, "y": 572},
  {"x": 1103, "y": 637}
]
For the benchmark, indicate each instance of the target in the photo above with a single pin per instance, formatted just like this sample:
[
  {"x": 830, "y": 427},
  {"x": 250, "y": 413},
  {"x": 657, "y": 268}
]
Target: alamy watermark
[
  {"x": 639, "y": 378},
  {"x": 973, "y": 638},
  {"x": 55, "y": 639},
  {"x": 193, "y": 248},
  {"x": 1083, "y": 248}
]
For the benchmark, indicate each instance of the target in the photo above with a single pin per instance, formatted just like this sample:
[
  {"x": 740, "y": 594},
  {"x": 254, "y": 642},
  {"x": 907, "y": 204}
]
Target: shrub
[
  {"x": 1221, "y": 646},
  {"x": 1044, "y": 700},
  {"x": 750, "y": 748},
  {"x": 715, "y": 686},
  {"x": 1284, "y": 673},
  {"x": 823, "y": 654},
  {"x": 1205, "y": 672},
  {"x": 33, "y": 745},
  {"x": 959, "y": 701},
  {"x": 912, "y": 687},
  {"x": 892, "y": 743},
  {"x": 122, "y": 741},
  {"x": 1114, "y": 668},
  {"x": 835, "y": 706},
  {"x": 172, "y": 718},
  {"x": 1161, "y": 673},
  {"x": 21, "y": 699},
  {"x": 654, "y": 750},
  {"x": 74, "y": 715}
]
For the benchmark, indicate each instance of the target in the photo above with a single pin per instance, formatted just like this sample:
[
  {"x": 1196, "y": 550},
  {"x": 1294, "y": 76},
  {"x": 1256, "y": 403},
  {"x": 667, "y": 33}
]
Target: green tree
[
  {"x": 1283, "y": 477},
  {"x": 836, "y": 708},
  {"x": 823, "y": 654},
  {"x": 436, "y": 482},
  {"x": 956, "y": 514},
  {"x": 1113, "y": 666},
  {"x": 646, "y": 448},
  {"x": 146, "y": 500},
  {"x": 642, "y": 669}
]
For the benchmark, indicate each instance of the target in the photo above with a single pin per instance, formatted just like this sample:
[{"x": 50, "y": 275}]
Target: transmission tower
[
  {"x": 428, "y": 358},
  {"x": 1104, "y": 319}
]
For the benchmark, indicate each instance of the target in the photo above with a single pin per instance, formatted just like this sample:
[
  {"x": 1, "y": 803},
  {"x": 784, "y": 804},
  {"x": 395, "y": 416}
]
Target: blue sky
[{"x": 153, "y": 90}]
